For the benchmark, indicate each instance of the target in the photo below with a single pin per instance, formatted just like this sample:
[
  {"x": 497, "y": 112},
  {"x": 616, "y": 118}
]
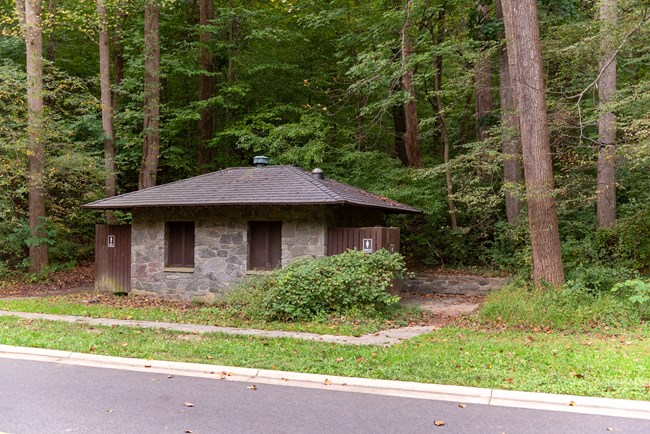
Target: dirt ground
[{"x": 78, "y": 279}]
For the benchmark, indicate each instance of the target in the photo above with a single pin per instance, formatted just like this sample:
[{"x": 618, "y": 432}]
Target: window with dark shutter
[
  {"x": 264, "y": 245},
  {"x": 180, "y": 244}
]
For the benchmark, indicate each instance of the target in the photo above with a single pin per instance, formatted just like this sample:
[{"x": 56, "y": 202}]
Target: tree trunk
[
  {"x": 20, "y": 10},
  {"x": 151, "y": 145},
  {"x": 53, "y": 41},
  {"x": 522, "y": 27},
  {"x": 35, "y": 123},
  {"x": 511, "y": 144},
  {"x": 436, "y": 104},
  {"x": 412, "y": 134},
  {"x": 606, "y": 182},
  {"x": 118, "y": 58},
  {"x": 206, "y": 85},
  {"x": 399, "y": 126},
  {"x": 483, "y": 84},
  {"x": 437, "y": 86},
  {"x": 107, "y": 106}
]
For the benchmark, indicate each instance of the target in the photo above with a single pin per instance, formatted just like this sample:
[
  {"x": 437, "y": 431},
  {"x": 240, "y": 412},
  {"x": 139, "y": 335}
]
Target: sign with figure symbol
[
  {"x": 111, "y": 241},
  {"x": 367, "y": 245}
]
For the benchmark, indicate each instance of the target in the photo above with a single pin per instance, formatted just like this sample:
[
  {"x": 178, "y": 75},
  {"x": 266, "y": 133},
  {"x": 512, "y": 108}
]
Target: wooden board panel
[{"x": 113, "y": 258}]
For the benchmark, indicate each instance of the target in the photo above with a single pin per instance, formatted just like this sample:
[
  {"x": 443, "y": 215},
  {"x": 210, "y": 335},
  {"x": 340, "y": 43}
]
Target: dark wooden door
[
  {"x": 265, "y": 245},
  {"x": 113, "y": 258}
]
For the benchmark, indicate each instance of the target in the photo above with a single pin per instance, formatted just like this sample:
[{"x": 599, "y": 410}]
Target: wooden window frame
[
  {"x": 269, "y": 247},
  {"x": 179, "y": 235}
]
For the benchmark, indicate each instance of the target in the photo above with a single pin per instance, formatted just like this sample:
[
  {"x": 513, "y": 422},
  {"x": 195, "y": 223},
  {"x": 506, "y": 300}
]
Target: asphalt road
[{"x": 46, "y": 397}]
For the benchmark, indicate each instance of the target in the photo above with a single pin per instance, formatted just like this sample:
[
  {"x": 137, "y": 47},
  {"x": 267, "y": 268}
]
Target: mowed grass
[
  {"x": 142, "y": 308},
  {"x": 582, "y": 364}
]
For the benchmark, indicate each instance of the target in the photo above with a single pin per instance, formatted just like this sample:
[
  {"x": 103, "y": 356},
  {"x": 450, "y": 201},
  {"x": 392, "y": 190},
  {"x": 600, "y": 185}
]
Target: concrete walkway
[{"x": 385, "y": 337}]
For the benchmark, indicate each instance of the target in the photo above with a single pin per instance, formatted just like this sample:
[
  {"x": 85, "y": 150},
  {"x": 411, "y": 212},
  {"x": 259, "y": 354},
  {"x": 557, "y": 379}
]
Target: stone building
[{"x": 192, "y": 238}]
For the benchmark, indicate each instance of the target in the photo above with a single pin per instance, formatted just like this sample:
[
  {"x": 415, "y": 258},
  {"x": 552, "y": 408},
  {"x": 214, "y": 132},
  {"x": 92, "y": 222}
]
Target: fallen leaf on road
[
  {"x": 572, "y": 404},
  {"x": 439, "y": 422},
  {"x": 110, "y": 410},
  {"x": 188, "y": 404},
  {"x": 147, "y": 366},
  {"x": 170, "y": 376},
  {"x": 253, "y": 387},
  {"x": 462, "y": 405},
  {"x": 327, "y": 382},
  {"x": 188, "y": 431}
]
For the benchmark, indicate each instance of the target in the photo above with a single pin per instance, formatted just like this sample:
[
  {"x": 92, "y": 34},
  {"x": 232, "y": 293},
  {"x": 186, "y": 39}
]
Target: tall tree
[
  {"x": 510, "y": 139},
  {"x": 522, "y": 30},
  {"x": 107, "y": 106},
  {"x": 412, "y": 133},
  {"x": 483, "y": 81},
  {"x": 151, "y": 144},
  {"x": 38, "y": 258},
  {"x": 206, "y": 85},
  {"x": 606, "y": 182}
]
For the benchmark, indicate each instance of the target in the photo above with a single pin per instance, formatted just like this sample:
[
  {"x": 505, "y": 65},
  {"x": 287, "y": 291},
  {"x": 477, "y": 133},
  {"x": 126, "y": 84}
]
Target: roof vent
[
  {"x": 261, "y": 161},
  {"x": 317, "y": 173}
]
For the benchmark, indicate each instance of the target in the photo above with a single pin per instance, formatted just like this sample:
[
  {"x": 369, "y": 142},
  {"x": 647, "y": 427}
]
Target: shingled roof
[{"x": 270, "y": 185}]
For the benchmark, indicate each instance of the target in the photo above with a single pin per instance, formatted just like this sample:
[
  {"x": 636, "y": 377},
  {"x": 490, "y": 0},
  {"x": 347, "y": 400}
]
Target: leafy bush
[
  {"x": 596, "y": 279},
  {"x": 637, "y": 292},
  {"x": 314, "y": 288}
]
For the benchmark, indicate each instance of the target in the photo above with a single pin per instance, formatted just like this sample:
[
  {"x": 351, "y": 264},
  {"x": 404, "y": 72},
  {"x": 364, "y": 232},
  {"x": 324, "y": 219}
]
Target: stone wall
[
  {"x": 221, "y": 246},
  {"x": 450, "y": 284}
]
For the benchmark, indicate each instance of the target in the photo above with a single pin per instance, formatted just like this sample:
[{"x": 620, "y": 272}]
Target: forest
[{"x": 520, "y": 128}]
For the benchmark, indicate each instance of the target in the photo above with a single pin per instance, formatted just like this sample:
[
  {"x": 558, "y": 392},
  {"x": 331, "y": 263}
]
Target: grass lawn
[
  {"x": 615, "y": 366},
  {"x": 103, "y": 305}
]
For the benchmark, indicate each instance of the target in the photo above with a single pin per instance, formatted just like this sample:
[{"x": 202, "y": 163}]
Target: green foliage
[
  {"x": 570, "y": 308},
  {"x": 637, "y": 292},
  {"x": 595, "y": 279},
  {"x": 313, "y": 288}
]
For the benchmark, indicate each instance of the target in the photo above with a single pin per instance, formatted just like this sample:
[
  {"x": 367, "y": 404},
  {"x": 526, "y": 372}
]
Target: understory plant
[{"x": 309, "y": 289}]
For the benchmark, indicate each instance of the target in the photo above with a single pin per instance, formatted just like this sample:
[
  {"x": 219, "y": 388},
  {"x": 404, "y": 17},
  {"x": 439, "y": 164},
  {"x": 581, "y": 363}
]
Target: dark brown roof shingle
[{"x": 270, "y": 185}]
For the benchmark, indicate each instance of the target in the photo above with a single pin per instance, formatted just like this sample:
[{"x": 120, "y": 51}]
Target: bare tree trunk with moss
[
  {"x": 412, "y": 133},
  {"x": 206, "y": 85},
  {"x": 107, "y": 106},
  {"x": 606, "y": 182},
  {"x": 522, "y": 28},
  {"x": 151, "y": 144},
  {"x": 38, "y": 258},
  {"x": 510, "y": 139}
]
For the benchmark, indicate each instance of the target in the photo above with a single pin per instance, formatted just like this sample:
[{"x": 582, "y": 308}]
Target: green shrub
[
  {"x": 637, "y": 292},
  {"x": 595, "y": 279},
  {"x": 315, "y": 288},
  {"x": 518, "y": 304}
]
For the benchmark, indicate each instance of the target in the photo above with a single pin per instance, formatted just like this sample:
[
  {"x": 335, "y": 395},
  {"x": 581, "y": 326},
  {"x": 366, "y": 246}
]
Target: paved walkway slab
[{"x": 385, "y": 337}]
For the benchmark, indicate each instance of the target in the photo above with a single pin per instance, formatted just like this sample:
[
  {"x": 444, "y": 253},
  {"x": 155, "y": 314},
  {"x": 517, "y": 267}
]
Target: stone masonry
[{"x": 221, "y": 247}]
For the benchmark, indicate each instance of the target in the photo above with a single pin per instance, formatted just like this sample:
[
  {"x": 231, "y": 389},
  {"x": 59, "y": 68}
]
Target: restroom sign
[
  {"x": 392, "y": 248},
  {"x": 111, "y": 241},
  {"x": 367, "y": 245}
]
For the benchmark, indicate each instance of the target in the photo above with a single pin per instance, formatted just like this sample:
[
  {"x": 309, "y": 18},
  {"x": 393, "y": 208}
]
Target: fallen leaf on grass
[
  {"x": 209, "y": 357},
  {"x": 439, "y": 422},
  {"x": 188, "y": 404},
  {"x": 327, "y": 382},
  {"x": 253, "y": 387},
  {"x": 340, "y": 359}
]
